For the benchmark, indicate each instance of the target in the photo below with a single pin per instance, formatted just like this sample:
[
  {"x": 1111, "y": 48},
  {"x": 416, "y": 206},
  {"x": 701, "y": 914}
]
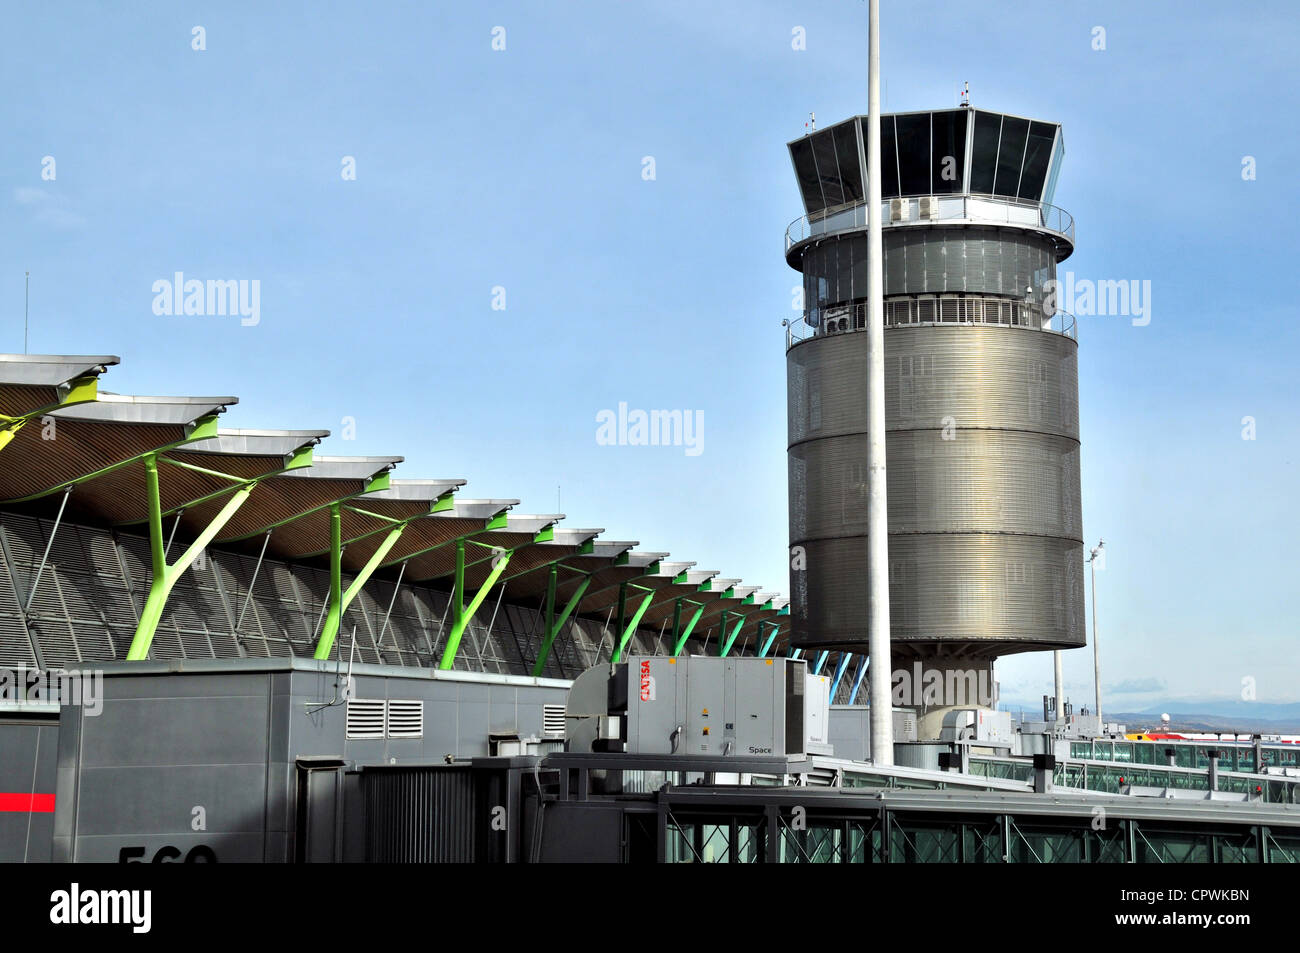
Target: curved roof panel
[
  {"x": 295, "y": 506},
  {"x": 34, "y": 383},
  {"x": 89, "y": 440}
]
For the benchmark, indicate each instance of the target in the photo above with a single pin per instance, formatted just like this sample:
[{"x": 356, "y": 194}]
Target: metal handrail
[
  {"x": 1062, "y": 322},
  {"x": 970, "y": 207},
  {"x": 797, "y": 331}
]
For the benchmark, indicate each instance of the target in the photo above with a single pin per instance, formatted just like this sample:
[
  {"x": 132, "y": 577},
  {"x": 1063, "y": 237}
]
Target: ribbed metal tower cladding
[{"x": 981, "y": 380}]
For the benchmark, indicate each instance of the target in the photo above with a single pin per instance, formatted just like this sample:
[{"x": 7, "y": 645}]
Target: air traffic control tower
[{"x": 981, "y": 390}]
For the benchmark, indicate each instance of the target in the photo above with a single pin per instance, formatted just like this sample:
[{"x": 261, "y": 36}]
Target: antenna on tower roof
[
  {"x": 964, "y": 93},
  {"x": 811, "y": 124}
]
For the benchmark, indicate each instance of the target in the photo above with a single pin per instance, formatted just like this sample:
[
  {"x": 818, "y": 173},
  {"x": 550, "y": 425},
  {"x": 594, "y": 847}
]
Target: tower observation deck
[{"x": 981, "y": 389}]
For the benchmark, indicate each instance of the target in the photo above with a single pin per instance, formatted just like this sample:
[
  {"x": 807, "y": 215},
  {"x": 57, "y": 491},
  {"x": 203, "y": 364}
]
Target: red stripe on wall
[{"x": 27, "y": 803}]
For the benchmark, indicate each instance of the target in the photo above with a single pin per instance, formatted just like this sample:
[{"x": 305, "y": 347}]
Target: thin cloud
[
  {"x": 48, "y": 208},
  {"x": 1137, "y": 686}
]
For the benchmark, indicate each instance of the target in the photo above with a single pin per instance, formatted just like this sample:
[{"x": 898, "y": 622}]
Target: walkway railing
[
  {"x": 930, "y": 311},
  {"x": 927, "y": 209}
]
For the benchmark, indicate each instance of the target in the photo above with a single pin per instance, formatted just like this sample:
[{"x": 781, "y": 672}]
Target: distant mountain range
[{"x": 1197, "y": 714}]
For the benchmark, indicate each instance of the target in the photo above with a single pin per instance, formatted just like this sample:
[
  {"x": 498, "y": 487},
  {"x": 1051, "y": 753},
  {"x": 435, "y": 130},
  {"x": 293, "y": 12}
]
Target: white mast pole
[{"x": 882, "y": 714}]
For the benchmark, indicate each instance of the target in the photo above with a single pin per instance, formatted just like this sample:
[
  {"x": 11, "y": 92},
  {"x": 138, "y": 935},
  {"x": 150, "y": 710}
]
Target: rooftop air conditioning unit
[{"x": 929, "y": 207}]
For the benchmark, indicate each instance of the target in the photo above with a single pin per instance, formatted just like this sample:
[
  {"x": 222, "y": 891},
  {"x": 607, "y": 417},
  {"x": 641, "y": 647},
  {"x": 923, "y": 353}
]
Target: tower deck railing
[
  {"x": 912, "y": 312},
  {"x": 928, "y": 209}
]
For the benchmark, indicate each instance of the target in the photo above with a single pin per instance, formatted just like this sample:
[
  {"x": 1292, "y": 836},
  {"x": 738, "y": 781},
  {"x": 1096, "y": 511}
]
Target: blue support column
[
  {"x": 839, "y": 671},
  {"x": 857, "y": 681}
]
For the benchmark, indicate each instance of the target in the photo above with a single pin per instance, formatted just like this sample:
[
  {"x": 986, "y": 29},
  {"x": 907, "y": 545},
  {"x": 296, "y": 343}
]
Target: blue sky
[{"x": 522, "y": 169}]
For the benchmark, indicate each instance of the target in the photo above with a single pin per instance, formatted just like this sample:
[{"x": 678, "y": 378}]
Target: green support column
[
  {"x": 734, "y": 632},
  {"x": 458, "y": 584},
  {"x": 622, "y": 606},
  {"x": 164, "y": 576},
  {"x": 550, "y": 594},
  {"x": 677, "y": 619},
  {"x": 631, "y": 626},
  {"x": 335, "y": 614},
  {"x": 335, "y": 611},
  {"x": 11, "y": 426},
  {"x": 457, "y": 630},
  {"x": 554, "y": 629},
  {"x": 690, "y": 626},
  {"x": 770, "y": 639}
]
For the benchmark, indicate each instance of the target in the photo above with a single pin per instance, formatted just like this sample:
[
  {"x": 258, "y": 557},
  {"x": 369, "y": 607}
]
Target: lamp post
[
  {"x": 1096, "y": 656},
  {"x": 1060, "y": 691}
]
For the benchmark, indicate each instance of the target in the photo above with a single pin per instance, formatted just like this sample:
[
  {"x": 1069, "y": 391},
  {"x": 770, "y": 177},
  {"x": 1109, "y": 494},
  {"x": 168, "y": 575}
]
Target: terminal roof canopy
[
  {"x": 931, "y": 153},
  {"x": 162, "y": 468}
]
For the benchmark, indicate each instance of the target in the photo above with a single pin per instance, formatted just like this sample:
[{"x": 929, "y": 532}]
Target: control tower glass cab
[{"x": 981, "y": 389}]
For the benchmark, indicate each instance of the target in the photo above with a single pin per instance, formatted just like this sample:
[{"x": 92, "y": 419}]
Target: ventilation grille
[
  {"x": 376, "y": 719},
  {"x": 822, "y": 778},
  {"x": 553, "y": 719},
  {"x": 405, "y": 719},
  {"x": 365, "y": 718}
]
